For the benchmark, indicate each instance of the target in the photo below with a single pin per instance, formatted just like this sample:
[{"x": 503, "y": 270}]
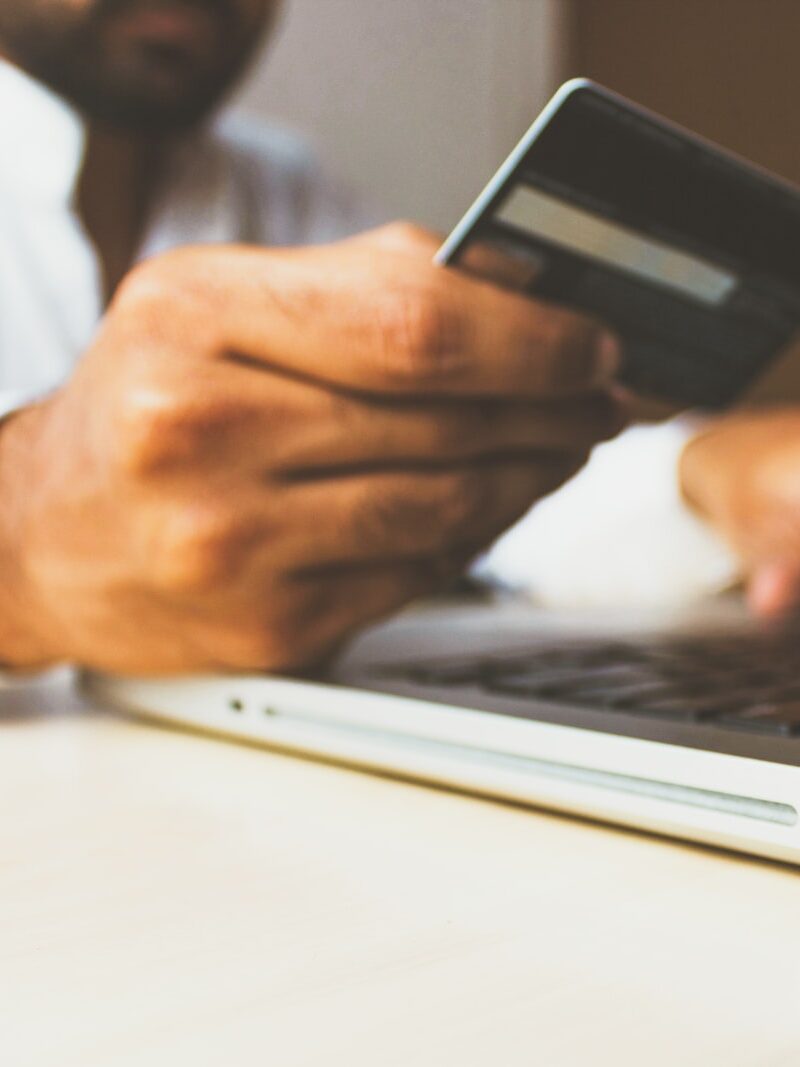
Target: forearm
[{"x": 21, "y": 626}]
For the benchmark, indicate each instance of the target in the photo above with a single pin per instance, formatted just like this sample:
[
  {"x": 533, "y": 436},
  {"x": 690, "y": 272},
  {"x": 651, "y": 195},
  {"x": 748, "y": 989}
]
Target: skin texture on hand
[
  {"x": 743, "y": 476},
  {"x": 263, "y": 451}
]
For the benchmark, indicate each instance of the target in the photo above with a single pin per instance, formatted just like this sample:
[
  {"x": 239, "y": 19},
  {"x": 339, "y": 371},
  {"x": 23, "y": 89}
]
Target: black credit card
[{"x": 691, "y": 254}]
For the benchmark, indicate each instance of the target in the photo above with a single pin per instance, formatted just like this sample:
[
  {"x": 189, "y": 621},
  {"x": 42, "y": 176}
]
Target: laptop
[{"x": 687, "y": 726}]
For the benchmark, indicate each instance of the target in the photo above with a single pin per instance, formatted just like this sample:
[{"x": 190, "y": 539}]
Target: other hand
[{"x": 743, "y": 476}]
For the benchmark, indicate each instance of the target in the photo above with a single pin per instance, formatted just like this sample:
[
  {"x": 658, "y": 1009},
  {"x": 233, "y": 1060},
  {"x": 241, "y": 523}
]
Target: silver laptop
[{"x": 688, "y": 727}]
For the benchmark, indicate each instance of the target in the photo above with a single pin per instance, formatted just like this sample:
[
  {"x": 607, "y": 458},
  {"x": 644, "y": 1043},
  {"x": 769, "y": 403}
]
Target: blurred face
[{"x": 148, "y": 65}]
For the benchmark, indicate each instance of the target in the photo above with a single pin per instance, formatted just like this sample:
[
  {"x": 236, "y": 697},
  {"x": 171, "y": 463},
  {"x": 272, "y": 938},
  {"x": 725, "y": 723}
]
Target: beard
[{"x": 147, "y": 66}]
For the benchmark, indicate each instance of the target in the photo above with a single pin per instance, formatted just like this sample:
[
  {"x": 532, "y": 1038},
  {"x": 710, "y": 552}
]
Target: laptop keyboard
[{"x": 742, "y": 683}]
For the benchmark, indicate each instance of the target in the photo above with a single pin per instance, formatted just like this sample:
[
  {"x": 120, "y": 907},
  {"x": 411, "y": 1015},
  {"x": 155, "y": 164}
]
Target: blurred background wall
[
  {"x": 418, "y": 100},
  {"x": 414, "y": 101},
  {"x": 729, "y": 69}
]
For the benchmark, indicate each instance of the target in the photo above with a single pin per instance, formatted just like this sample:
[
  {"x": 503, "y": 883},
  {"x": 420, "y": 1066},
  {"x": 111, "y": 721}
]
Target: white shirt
[
  {"x": 619, "y": 533},
  {"x": 235, "y": 183}
]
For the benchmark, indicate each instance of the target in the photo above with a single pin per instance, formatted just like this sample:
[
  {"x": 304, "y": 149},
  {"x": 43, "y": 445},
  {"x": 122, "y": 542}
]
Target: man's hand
[
  {"x": 743, "y": 476},
  {"x": 264, "y": 450}
]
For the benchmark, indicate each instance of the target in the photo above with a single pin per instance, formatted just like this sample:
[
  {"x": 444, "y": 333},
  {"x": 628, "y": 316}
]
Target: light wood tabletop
[{"x": 167, "y": 898}]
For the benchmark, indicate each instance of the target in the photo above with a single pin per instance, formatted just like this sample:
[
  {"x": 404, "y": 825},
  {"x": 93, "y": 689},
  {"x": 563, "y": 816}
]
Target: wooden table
[{"x": 172, "y": 899}]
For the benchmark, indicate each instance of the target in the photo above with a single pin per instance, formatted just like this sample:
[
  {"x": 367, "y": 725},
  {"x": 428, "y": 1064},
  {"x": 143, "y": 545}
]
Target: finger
[
  {"x": 400, "y": 515},
  {"x": 249, "y": 419},
  {"x": 774, "y": 590},
  {"x": 436, "y": 434},
  {"x": 384, "y": 322}
]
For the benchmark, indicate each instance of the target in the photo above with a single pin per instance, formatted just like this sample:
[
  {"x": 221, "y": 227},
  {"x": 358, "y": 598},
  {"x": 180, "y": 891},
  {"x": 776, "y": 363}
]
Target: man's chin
[
  {"x": 158, "y": 101},
  {"x": 146, "y": 117}
]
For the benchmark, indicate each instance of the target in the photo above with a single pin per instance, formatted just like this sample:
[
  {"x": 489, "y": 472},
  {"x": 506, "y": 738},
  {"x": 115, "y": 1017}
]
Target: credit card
[{"x": 689, "y": 253}]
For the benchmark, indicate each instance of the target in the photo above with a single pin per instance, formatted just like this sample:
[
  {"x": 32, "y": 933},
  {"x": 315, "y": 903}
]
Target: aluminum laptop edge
[{"x": 685, "y": 725}]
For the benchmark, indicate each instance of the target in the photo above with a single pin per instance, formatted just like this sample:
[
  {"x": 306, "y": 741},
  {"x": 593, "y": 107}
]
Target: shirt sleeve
[{"x": 618, "y": 535}]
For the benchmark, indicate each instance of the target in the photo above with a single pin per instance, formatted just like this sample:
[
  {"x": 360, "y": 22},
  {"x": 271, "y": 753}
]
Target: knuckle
[
  {"x": 196, "y": 553},
  {"x": 152, "y": 282},
  {"x": 168, "y": 293},
  {"x": 422, "y": 336},
  {"x": 410, "y": 236},
  {"x": 141, "y": 284},
  {"x": 143, "y": 433},
  {"x": 160, "y": 428}
]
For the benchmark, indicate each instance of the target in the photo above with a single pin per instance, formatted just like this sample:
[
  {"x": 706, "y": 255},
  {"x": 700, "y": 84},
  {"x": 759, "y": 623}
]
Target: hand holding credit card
[{"x": 691, "y": 254}]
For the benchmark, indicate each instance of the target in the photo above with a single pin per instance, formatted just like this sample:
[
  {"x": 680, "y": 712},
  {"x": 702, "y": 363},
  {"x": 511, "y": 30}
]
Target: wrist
[{"x": 23, "y": 645}]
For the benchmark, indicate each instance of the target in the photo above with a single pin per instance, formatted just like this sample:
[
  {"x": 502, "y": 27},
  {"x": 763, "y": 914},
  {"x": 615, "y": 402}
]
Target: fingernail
[{"x": 609, "y": 356}]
